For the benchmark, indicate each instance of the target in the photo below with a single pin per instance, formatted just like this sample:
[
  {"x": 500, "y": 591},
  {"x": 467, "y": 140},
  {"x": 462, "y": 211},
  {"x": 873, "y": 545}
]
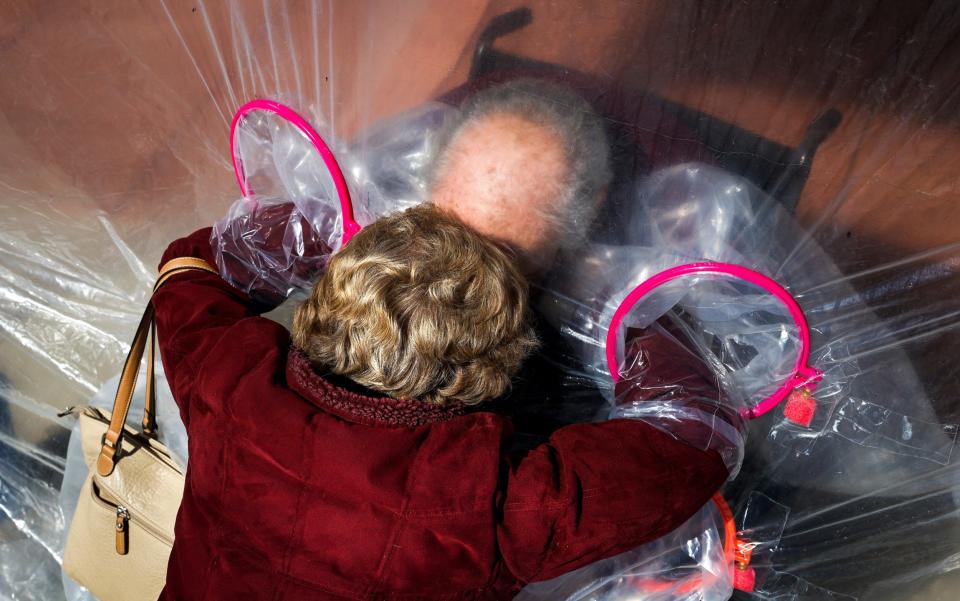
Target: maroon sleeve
[
  {"x": 662, "y": 364},
  {"x": 269, "y": 251},
  {"x": 194, "y": 310},
  {"x": 666, "y": 371},
  {"x": 596, "y": 490}
]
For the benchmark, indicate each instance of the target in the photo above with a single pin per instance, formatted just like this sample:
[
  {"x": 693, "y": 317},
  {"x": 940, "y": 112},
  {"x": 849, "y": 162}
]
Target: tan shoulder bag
[{"x": 122, "y": 532}]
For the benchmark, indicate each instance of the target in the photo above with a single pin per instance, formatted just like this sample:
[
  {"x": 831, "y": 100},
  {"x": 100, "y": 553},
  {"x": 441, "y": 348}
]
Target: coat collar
[{"x": 360, "y": 408}]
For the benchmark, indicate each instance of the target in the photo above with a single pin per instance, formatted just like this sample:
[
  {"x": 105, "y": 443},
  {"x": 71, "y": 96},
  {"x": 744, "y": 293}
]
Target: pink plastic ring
[
  {"x": 350, "y": 226},
  {"x": 803, "y": 375}
]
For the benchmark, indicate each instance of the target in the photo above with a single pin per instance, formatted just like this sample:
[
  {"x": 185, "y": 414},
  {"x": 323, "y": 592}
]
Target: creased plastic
[
  {"x": 815, "y": 143},
  {"x": 687, "y": 564}
]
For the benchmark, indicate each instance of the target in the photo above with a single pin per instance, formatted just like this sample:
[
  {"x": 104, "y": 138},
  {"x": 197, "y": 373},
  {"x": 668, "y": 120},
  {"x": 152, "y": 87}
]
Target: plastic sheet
[{"x": 812, "y": 142}]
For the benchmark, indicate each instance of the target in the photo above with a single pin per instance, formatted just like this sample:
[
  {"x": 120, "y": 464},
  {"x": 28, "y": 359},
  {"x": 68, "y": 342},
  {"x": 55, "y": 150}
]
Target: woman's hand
[{"x": 269, "y": 250}]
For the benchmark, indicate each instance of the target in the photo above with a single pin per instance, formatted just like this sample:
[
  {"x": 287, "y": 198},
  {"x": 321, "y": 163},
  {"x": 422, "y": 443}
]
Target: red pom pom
[
  {"x": 744, "y": 580},
  {"x": 800, "y": 407}
]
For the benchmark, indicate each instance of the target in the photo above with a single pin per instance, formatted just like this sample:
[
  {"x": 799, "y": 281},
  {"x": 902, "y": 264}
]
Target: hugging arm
[
  {"x": 194, "y": 310},
  {"x": 596, "y": 490}
]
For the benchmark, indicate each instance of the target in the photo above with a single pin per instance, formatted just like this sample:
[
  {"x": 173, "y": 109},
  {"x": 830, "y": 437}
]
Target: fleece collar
[{"x": 360, "y": 408}]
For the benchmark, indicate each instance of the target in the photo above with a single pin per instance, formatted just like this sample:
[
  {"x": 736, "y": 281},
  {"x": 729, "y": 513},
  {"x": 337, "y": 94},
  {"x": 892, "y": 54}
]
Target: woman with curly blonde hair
[
  {"x": 358, "y": 462},
  {"x": 419, "y": 307}
]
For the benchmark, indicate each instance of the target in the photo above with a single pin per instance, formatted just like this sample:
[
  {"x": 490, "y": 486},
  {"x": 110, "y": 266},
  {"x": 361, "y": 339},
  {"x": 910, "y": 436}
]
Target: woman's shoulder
[{"x": 249, "y": 350}]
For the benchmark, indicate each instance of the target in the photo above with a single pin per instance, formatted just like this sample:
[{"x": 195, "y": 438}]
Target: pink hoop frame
[
  {"x": 350, "y": 226},
  {"x": 803, "y": 376}
]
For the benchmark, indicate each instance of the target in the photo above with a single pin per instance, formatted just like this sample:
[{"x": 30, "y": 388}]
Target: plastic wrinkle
[{"x": 873, "y": 425}]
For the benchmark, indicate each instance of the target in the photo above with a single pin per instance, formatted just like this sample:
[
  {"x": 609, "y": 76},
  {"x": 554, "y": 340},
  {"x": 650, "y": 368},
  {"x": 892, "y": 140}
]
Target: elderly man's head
[{"x": 527, "y": 164}]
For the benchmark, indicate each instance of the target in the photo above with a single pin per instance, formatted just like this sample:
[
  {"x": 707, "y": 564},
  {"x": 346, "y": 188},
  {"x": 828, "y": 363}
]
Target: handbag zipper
[
  {"x": 123, "y": 521},
  {"x": 123, "y": 532}
]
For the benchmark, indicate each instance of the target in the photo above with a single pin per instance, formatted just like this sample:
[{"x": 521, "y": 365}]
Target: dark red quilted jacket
[{"x": 298, "y": 488}]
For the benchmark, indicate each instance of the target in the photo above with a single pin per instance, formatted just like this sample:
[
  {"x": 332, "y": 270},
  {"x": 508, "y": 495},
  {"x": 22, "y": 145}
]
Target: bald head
[
  {"x": 526, "y": 164},
  {"x": 504, "y": 176}
]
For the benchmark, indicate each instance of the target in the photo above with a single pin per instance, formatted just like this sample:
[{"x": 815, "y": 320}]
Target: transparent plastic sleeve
[
  {"x": 276, "y": 239},
  {"x": 269, "y": 248},
  {"x": 686, "y": 565},
  {"x": 669, "y": 386}
]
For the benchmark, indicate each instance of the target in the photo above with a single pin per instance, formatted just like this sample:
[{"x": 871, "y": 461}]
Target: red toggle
[
  {"x": 800, "y": 407},
  {"x": 744, "y": 579}
]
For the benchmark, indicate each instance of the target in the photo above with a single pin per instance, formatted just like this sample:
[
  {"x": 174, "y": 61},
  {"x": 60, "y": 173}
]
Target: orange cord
[{"x": 729, "y": 528}]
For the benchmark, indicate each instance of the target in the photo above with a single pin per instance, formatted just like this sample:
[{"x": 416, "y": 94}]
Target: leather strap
[
  {"x": 169, "y": 269},
  {"x": 146, "y": 332},
  {"x": 149, "y": 424}
]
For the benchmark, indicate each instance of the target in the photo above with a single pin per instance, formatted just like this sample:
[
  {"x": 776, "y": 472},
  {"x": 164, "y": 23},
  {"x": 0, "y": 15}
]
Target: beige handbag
[{"x": 120, "y": 538}]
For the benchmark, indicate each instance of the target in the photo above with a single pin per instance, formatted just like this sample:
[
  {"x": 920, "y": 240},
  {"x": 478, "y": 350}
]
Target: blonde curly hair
[{"x": 418, "y": 306}]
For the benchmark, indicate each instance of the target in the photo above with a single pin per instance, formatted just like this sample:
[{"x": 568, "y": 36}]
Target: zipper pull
[{"x": 123, "y": 530}]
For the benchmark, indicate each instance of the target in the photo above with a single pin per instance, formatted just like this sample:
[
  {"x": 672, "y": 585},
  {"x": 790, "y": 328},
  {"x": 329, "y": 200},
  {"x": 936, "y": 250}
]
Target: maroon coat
[{"x": 298, "y": 488}]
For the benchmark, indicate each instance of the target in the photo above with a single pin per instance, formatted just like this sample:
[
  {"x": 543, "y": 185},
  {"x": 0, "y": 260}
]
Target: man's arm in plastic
[{"x": 596, "y": 490}]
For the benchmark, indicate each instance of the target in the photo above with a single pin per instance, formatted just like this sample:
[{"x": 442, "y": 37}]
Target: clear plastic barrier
[{"x": 814, "y": 143}]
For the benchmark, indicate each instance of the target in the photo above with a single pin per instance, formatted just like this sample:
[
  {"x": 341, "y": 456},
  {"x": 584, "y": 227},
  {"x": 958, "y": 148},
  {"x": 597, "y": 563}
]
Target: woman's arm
[
  {"x": 596, "y": 490},
  {"x": 194, "y": 312},
  {"x": 668, "y": 385}
]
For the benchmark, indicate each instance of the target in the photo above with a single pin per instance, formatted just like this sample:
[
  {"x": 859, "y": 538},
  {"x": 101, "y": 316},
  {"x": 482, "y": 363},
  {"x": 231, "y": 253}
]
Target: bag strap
[{"x": 146, "y": 332}]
